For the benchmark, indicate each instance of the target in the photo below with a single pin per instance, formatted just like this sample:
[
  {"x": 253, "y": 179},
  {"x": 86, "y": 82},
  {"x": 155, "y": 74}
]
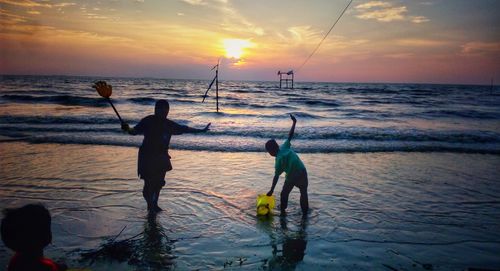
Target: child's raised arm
[{"x": 292, "y": 130}]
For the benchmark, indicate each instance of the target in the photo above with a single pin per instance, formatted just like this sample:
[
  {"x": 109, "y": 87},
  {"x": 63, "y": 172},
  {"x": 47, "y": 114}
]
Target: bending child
[{"x": 289, "y": 162}]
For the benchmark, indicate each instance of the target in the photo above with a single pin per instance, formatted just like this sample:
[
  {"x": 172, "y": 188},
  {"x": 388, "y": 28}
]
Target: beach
[{"x": 369, "y": 210}]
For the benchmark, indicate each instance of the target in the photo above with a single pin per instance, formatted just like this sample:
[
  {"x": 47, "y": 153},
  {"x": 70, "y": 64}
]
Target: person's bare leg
[
  {"x": 285, "y": 192},
  {"x": 146, "y": 193},
  {"x": 156, "y": 196},
  {"x": 304, "y": 200}
]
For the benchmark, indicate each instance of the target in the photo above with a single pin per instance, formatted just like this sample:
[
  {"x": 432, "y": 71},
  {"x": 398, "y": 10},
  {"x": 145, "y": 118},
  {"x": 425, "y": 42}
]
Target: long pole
[
  {"x": 116, "y": 111},
  {"x": 217, "y": 87}
]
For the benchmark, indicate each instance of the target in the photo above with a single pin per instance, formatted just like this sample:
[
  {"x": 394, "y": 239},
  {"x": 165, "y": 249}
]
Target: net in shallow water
[{"x": 151, "y": 248}]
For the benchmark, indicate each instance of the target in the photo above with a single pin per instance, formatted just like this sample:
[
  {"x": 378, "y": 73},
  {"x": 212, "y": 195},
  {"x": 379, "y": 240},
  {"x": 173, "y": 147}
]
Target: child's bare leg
[
  {"x": 285, "y": 192},
  {"x": 304, "y": 200},
  {"x": 303, "y": 182}
]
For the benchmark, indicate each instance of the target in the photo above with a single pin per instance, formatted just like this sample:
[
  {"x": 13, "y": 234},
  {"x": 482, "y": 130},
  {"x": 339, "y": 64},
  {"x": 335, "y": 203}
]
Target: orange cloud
[
  {"x": 8, "y": 18},
  {"x": 31, "y": 4},
  {"x": 373, "y": 4},
  {"x": 481, "y": 48},
  {"x": 421, "y": 42}
]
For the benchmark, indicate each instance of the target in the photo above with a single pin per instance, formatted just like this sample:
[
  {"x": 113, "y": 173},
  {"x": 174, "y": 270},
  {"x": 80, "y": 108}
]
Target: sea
[{"x": 332, "y": 117}]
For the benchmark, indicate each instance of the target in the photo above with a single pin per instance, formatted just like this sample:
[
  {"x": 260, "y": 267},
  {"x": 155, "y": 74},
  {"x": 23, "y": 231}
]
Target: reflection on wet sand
[
  {"x": 155, "y": 251},
  {"x": 151, "y": 249},
  {"x": 293, "y": 243}
]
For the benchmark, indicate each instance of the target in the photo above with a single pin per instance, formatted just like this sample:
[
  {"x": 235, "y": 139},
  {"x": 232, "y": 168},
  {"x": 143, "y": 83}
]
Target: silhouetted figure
[
  {"x": 156, "y": 247},
  {"x": 289, "y": 162},
  {"x": 154, "y": 160},
  {"x": 293, "y": 246},
  {"x": 26, "y": 230}
]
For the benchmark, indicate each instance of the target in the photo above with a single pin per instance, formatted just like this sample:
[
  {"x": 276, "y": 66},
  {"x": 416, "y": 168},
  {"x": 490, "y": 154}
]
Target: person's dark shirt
[{"x": 157, "y": 132}]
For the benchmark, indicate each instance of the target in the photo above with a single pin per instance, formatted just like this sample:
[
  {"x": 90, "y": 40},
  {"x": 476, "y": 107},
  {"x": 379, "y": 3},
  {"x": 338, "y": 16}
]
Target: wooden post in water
[
  {"x": 216, "y": 81},
  {"x": 281, "y": 79},
  {"x": 217, "y": 86},
  {"x": 287, "y": 78}
]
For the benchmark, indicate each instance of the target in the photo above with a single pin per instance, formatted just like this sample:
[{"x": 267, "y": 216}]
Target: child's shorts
[{"x": 298, "y": 179}]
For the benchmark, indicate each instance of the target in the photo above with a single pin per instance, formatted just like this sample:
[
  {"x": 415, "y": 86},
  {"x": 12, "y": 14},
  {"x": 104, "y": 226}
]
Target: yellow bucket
[{"x": 264, "y": 204}]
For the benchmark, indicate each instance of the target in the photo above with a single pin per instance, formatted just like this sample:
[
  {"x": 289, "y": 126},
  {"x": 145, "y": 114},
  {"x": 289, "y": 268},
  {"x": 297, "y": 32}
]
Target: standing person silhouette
[{"x": 154, "y": 160}]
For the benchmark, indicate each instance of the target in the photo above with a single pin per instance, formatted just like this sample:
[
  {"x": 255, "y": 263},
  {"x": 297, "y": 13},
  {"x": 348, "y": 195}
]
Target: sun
[{"x": 235, "y": 48}]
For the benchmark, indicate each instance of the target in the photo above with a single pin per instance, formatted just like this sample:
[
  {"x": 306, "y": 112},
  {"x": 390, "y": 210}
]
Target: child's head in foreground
[
  {"x": 272, "y": 147},
  {"x": 26, "y": 229}
]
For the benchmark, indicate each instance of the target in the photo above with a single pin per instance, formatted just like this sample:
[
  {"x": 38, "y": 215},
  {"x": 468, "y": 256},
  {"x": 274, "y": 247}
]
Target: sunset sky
[{"x": 438, "y": 41}]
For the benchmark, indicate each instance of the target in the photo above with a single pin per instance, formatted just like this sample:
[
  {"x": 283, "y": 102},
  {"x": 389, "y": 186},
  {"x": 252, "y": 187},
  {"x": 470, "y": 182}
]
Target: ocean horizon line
[{"x": 244, "y": 80}]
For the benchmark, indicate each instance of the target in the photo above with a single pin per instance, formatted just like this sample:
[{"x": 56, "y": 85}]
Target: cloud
[
  {"x": 481, "y": 48},
  {"x": 235, "y": 22},
  {"x": 195, "y": 2},
  {"x": 421, "y": 42},
  {"x": 373, "y": 4},
  {"x": 95, "y": 16},
  {"x": 32, "y": 4},
  {"x": 202, "y": 2},
  {"x": 24, "y": 3},
  {"x": 419, "y": 19},
  {"x": 400, "y": 55},
  {"x": 385, "y": 15},
  {"x": 300, "y": 35},
  {"x": 62, "y": 5},
  {"x": 297, "y": 42},
  {"x": 386, "y": 12},
  {"x": 232, "y": 19},
  {"x": 7, "y": 18}
]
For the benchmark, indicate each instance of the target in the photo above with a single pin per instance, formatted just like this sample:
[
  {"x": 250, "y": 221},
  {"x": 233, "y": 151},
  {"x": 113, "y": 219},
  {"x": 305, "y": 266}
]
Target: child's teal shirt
[{"x": 287, "y": 160}]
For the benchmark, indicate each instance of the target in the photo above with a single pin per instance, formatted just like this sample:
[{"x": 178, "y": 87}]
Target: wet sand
[{"x": 370, "y": 211}]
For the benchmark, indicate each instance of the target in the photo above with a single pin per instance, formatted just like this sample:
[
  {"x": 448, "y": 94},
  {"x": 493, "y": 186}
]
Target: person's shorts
[
  {"x": 152, "y": 168},
  {"x": 154, "y": 184},
  {"x": 298, "y": 179}
]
